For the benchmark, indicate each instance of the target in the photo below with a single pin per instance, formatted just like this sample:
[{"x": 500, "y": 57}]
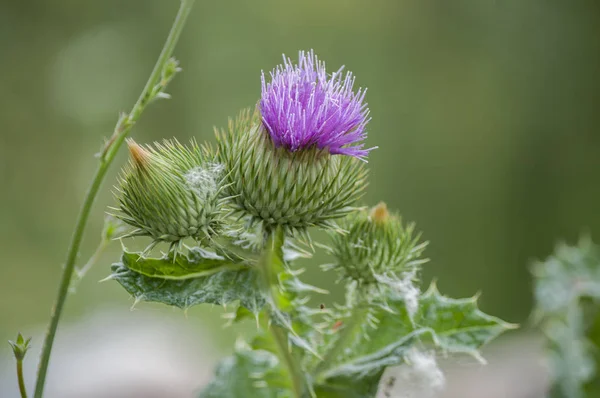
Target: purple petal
[{"x": 302, "y": 107}]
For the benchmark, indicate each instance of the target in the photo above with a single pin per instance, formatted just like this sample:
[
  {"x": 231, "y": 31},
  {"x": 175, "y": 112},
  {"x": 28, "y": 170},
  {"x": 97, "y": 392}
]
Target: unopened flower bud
[
  {"x": 170, "y": 192},
  {"x": 375, "y": 247}
]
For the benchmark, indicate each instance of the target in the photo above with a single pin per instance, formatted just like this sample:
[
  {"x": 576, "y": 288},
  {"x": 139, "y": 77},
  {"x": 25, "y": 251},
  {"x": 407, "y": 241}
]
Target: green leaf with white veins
[
  {"x": 193, "y": 279},
  {"x": 381, "y": 336},
  {"x": 198, "y": 262}
]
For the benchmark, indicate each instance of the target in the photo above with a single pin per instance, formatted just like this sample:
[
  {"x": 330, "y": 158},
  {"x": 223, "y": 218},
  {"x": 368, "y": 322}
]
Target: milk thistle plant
[{"x": 226, "y": 222}]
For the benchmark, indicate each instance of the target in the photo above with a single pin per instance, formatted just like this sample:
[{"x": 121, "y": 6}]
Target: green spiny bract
[
  {"x": 375, "y": 249},
  {"x": 171, "y": 192},
  {"x": 275, "y": 186}
]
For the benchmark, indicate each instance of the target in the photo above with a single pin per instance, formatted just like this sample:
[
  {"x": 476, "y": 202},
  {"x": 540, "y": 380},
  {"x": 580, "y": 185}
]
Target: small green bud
[
  {"x": 276, "y": 186},
  {"x": 376, "y": 247},
  {"x": 170, "y": 192},
  {"x": 20, "y": 346}
]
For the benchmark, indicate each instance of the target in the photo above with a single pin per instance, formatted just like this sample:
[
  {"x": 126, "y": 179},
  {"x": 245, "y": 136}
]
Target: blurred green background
[{"x": 486, "y": 114}]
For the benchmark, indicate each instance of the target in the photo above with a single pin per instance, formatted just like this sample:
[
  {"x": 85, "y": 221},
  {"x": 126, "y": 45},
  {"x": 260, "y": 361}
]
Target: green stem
[
  {"x": 123, "y": 128},
  {"x": 268, "y": 269},
  {"x": 280, "y": 337},
  {"x": 21, "y": 378},
  {"x": 345, "y": 334}
]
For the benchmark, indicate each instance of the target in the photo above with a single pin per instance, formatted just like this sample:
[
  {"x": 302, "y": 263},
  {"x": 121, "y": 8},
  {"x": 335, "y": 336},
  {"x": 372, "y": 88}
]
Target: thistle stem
[
  {"x": 273, "y": 247},
  {"x": 280, "y": 337},
  {"x": 108, "y": 154},
  {"x": 21, "y": 379}
]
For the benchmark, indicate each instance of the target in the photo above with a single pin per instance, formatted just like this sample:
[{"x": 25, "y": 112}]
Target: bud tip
[
  {"x": 138, "y": 154},
  {"x": 380, "y": 213}
]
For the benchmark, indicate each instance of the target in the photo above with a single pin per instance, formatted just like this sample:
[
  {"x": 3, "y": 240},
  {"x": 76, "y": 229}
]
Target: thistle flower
[
  {"x": 376, "y": 249},
  {"x": 302, "y": 107},
  {"x": 275, "y": 186},
  {"x": 296, "y": 161},
  {"x": 170, "y": 192}
]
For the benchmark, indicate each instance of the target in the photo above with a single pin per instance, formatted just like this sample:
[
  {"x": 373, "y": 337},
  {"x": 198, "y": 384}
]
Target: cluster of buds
[{"x": 296, "y": 162}]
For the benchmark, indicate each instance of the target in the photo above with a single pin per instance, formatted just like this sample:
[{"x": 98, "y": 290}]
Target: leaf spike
[
  {"x": 108, "y": 278},
  {"x": 137, "y": 300}
]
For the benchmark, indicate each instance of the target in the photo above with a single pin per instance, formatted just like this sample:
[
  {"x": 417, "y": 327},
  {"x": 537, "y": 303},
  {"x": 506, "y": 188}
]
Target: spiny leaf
[
  {"x": 220, "y": 285},
  {"x": 457, "y": 324},
  {"x": 251, "y": 374},
  {"x": 380, "y": 336}
]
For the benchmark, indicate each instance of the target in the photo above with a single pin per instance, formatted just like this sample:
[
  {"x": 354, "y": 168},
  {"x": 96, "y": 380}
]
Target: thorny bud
[
  {"x": 171, "y": 192},
  {"x": 375, "y": 247},
  {"x": 276, "y": 186},
  {"x": 296, "y": 162}
]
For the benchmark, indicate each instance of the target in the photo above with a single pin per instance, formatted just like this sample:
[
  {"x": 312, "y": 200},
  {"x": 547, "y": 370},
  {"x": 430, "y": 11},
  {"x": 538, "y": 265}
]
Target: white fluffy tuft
[
  {"x": 204, "y": 180},
  {"x": 419, "y": 377}
]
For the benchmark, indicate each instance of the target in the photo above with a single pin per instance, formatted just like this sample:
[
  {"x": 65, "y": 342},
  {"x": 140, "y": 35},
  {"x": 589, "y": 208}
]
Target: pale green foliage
[
  {"x": 567, "y": 292},
  {"x": 291, "y": 189}
]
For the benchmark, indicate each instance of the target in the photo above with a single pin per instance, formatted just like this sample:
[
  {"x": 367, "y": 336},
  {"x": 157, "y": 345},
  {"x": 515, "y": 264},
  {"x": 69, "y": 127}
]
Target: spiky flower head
[
  {"x": 171, "y": 192},
  {"x": 302, "y": 107},
  {"x": 285, "y": 163},
  {"x": 275, "y": 186},
  {"x": 376, "y": 248}
]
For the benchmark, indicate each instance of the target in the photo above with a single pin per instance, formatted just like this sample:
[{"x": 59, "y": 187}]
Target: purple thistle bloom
[{"x": 302, "y": 107}]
